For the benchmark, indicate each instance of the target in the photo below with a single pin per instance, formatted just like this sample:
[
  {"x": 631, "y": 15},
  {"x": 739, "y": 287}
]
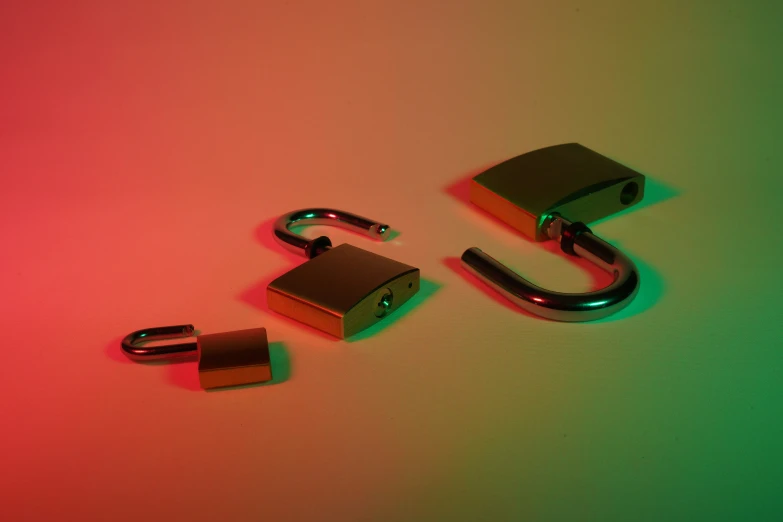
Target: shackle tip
[{"x": 380, "y": 231}]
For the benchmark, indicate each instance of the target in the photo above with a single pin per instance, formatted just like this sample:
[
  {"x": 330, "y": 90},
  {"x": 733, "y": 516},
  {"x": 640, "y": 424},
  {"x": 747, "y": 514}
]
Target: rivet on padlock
[
  {"x": 551, "y": 193},
  {"x": 340, "y": 290},
  {"x": 224, "y": 359}
]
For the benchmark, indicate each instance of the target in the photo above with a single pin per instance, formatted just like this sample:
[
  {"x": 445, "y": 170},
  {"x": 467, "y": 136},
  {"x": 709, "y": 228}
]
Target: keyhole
[{"x": 384, "y": 304}]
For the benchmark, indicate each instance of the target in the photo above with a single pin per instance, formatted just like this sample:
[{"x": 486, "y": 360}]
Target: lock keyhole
[{"x": 384, "y": 303}]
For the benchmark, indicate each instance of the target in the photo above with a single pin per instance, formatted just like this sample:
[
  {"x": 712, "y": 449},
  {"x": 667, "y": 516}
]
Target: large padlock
[
  {"x": 339, "y": 290},
  {"x": 551, "y": 193},
  {"x": 224, "y": 359}
]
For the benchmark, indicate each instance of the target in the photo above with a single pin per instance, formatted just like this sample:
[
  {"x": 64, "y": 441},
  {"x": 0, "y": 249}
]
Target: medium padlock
[
  {"x": 551, "y": 193},
  {"x": 224, "y": 359},
  {"x": 340, "y": 290}
]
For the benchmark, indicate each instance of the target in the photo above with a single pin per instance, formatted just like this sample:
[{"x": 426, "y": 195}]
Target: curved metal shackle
[
  {"x": 322, "y": 216},
  {"x": 577, "y": 240},
  {"x": 132, "y": 349}
]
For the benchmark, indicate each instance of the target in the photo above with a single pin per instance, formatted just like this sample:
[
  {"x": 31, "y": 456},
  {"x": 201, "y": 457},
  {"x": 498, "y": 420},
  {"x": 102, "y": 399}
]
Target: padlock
[
  {"x": 339, "y": 290},
  {"x": 224, "y": 359},
  {"x": 551, "y": 193}
]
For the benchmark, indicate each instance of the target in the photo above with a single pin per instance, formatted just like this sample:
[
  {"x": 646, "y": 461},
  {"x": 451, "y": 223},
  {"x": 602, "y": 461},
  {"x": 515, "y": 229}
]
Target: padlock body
[
  {"x": 570, "y": 180},
  {"x": 343, "y": 290},
  {"x": 233, "y": 358}
]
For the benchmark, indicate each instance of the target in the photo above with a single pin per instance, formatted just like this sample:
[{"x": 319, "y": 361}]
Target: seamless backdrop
[{"x": 145, "y": 148}]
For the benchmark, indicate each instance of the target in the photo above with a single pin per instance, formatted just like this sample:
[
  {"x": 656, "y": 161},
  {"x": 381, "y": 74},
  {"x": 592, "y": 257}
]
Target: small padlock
[
  {"x": 551, "y": 193},
  {"x": 224, "y": 359},
  {"x": 340, "y": 290}
]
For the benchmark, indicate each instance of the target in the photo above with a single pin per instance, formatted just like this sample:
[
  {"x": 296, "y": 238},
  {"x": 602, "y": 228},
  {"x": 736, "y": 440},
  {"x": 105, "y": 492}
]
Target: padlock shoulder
[
  {"x": 336, "y": 285},
  {"x": 569, "y": 179}
]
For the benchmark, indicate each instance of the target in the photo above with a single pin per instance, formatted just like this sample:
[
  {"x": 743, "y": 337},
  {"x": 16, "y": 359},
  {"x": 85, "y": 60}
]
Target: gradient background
[{"x": 145, "y": 147}]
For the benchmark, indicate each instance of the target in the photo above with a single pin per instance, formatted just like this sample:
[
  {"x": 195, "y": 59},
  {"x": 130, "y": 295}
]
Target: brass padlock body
[
  {"x": 233, "y": 358},
  {"x": 343, "y": 290},
  {"x": 570, "y": 180}
]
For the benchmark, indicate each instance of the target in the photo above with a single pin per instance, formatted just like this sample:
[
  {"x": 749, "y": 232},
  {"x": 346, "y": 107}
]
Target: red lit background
[{"x": 146, "y": 146}]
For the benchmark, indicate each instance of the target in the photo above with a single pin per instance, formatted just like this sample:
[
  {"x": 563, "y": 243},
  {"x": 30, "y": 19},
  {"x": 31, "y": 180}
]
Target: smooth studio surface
[{"x": 146, "y": 150}]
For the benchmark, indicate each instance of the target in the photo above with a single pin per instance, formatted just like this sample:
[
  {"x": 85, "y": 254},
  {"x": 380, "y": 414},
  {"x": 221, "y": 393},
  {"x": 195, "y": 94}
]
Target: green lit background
[{"x": 146, "y": 147}]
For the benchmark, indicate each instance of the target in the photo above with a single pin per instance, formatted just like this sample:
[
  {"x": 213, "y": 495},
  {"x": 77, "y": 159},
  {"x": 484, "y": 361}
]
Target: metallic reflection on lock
[
  {"x": 549, "y": 194},
  {"x": 224, "y": 359},
  {"x": 340, "y": 290}
]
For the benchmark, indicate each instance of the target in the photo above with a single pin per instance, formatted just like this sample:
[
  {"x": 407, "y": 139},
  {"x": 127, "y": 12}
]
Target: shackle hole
[{"x": 629, "y": 193}]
